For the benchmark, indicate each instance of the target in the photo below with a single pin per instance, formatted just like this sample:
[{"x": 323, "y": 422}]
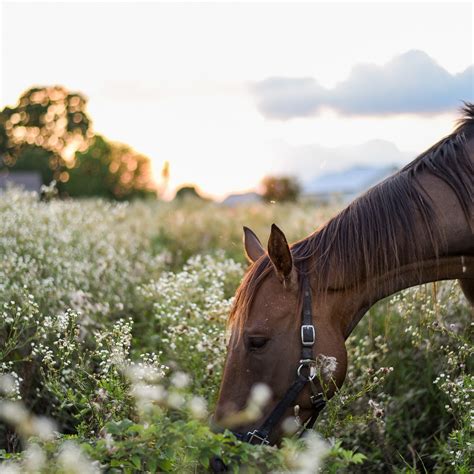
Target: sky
[{"x": 230, "y": 92}]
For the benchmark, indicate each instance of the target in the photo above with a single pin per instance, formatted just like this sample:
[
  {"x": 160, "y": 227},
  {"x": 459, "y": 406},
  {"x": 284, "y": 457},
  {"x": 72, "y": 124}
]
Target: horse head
[{"x": 267, "y": 338}]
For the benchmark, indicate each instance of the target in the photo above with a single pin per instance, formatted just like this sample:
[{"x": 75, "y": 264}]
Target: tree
[
  {"x": 49, "y": 131},
  {"x": 111, "y": 170},
  {"x": 283, "y": 188},
  {"x": 43, "y": 131},
  {"x": 188, "y": 192},
  {"x": 48, "y": 117}
]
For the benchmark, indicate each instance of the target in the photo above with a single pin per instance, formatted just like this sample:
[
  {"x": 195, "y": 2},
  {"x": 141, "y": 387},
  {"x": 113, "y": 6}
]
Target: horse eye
[{"x": 257, "y": 342}]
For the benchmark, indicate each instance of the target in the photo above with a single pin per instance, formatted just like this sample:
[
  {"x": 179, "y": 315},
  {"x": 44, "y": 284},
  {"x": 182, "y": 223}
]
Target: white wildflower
[
  {"x": 198, "y": 407},
  {"x": 43, "y": 427},
  {"x": 73, "y": 460},
  {"x": 34, "y": 458},
  {"x": 327, "y": 365},
  {"x": 180, "y": 380},
  {"x": 310, "y": 459},
  {"x": 10, "y": 467},
  {"x": 260, "y": 395},
  {"x": 175, "y": 400}
]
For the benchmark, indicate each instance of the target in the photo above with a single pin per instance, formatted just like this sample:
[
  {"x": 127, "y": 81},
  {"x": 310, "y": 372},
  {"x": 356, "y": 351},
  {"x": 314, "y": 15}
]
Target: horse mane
[{"x": 366, "y": 234}]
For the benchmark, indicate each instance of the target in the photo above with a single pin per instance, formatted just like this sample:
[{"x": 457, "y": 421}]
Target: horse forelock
[{"x": 246, "y": 291}]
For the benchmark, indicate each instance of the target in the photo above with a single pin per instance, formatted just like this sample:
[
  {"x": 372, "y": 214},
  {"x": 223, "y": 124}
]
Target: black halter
[{"x": 305, "y": 373}]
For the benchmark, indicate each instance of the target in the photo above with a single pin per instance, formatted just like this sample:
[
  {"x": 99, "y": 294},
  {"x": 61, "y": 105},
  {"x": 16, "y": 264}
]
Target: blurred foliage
[
  {"x": 111, "y": 170},
  {"x": 177, "y": 224},
  {"x": 49, "y": 117},
  {"x": 280, "y": 189},
  {"x": 49, "y": 131}
]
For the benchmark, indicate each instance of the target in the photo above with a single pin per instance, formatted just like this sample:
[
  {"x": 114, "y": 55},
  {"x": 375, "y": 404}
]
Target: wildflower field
[{"x": 112, "y": 343}]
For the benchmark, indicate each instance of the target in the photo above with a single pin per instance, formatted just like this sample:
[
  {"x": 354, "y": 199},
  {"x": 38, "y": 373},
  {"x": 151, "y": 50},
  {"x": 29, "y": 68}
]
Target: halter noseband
[{"x": 307, "y": 364}]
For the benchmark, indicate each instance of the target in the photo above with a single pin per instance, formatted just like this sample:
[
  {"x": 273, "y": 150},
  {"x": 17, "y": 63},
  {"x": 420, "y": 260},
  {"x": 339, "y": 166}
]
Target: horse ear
[
  {"x": 280, "y": 255},
  {"x": 253, "y": 247}
]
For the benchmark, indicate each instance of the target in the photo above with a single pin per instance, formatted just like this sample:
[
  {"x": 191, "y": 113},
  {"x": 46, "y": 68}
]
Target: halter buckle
[
  {"x": 308, "y": 335},
  {"x": 255, "y": 435}
]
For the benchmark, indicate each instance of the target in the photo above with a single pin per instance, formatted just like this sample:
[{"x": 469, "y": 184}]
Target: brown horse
[{"x": 415, "y": 227}]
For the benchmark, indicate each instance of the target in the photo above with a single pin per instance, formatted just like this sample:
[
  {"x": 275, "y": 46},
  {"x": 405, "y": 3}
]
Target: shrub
[{"x": 280, "y": 189}]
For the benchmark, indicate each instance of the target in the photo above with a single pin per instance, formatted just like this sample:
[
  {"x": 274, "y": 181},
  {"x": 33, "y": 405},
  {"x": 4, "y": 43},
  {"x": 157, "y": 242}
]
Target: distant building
[
  {"x": 346, "y": 184},
  {"x": 243, "y": 198},
  {"x": 27, "y": 180}
]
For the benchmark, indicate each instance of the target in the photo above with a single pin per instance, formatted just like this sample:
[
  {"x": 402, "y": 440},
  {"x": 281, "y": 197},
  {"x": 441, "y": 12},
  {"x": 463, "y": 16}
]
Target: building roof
[
  {"x": 28, "y": 180},
  {"x": 351, "y": 181}
]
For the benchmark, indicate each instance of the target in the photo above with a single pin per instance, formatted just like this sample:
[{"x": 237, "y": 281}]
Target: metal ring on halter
[{"x": 311, "y": 364}]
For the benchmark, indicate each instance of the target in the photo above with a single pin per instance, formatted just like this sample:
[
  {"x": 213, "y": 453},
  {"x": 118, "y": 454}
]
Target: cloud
[{"x": 410, "y": 83}]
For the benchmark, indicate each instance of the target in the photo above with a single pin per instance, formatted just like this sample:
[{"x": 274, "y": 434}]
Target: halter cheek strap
[{"x": 305, "y": 374}]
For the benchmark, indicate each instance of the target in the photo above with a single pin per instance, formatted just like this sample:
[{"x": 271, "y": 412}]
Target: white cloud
[{"x": 410, "y": 83}]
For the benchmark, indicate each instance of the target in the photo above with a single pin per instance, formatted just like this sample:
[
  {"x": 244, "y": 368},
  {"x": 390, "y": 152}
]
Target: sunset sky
[{"x": 228, "y": 93}]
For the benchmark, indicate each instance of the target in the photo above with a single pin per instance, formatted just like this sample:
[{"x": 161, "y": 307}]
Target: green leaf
[
  {"x": 166, "y": 465},
  {"x": 137, "y": 461}
]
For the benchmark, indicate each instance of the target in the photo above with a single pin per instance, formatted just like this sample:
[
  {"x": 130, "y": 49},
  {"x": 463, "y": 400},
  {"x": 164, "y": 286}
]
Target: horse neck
[{"x": 443, "y": 250}]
